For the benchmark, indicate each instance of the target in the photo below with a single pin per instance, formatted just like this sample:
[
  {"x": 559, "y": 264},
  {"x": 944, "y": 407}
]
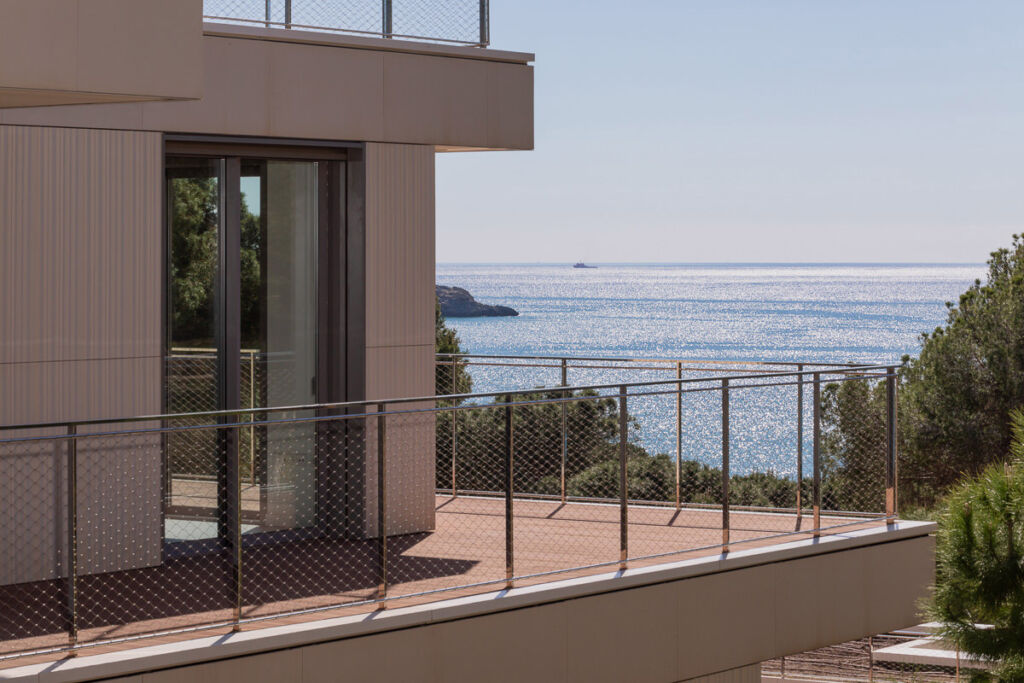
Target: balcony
[
  {"x": 455, "y": 22},
  {"x": 153, "y": 529}
]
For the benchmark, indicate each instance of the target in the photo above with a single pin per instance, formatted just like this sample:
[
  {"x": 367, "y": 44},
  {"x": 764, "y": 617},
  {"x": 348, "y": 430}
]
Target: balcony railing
[
  {"x": 119, "y": 530},
  {"x": 459, "y": 22}
]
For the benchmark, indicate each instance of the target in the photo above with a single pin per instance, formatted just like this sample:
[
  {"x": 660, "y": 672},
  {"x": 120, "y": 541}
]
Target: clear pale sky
[{"x": 752, "y": 130}]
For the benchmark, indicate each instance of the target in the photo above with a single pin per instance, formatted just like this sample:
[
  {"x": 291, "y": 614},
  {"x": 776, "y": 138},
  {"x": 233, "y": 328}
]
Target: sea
[{"x": 807, "y": 312}]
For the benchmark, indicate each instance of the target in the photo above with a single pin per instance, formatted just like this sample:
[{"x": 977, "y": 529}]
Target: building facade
[{"x": 213, "y": 216}]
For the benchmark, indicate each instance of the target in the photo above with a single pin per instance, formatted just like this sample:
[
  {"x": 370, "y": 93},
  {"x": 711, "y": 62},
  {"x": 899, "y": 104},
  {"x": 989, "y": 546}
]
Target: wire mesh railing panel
[
  {"x": 657, "y": 526},
  {"x": 457, "y": 20},
  {"x": 302, "y": 551},
  {"x": 551, "y": 534},
  {"x": 453, "y": 21},
  {"x": 853, "y": 444},
  {"x": 441, "y": 541},
  {"x": 127, "y": 583},
  {"x": 33, "y": 534}
]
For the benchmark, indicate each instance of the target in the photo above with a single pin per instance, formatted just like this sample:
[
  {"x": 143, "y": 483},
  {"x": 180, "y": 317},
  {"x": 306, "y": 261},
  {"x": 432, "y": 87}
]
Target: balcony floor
[{"x": 465, "y": 554}]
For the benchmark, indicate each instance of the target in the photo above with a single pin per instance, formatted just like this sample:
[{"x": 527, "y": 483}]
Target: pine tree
[{"x": 980, "y": 573}]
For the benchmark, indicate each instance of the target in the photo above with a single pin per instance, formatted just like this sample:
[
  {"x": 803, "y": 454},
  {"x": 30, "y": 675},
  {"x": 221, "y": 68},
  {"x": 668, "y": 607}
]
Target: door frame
[{"x": 341, "y": 313}]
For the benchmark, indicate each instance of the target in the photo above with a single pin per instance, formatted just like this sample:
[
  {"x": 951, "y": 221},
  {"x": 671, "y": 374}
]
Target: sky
[{"x": 751, "y": 131}]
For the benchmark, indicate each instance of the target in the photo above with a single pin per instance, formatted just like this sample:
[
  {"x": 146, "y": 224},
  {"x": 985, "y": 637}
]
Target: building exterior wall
[
  {"x": 55, "y": 52},
  {"x": 81, "y": 249},
  {"x": 329, "y": 91},
  {"x": 400, "y": 327},
  {"x": 80, "y": 309}
]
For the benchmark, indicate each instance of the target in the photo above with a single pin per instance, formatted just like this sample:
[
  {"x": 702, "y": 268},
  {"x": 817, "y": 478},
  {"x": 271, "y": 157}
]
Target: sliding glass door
[
  {"x": 279, "y": 330},
  {"x": 245, "y": 299}
]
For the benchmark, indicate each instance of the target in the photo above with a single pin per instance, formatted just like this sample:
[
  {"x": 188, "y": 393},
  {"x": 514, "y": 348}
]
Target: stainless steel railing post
[
  {"x": 679, "y": 435},
  {"x": 509, "y": 530},
  {"x": 891, "y": 437},
  {"x": 725, "y": 464},
  {"x": 485, "y": 23},
  {"x": 623, "y": 479},
  {"x": 252, "y": 418},
  {"x": 816, "y": 490},
  {"x": 72, "y": 539},
  {"x": 565, "y": 425},
  {"x": 382, "y": 501},
  {"x": 799, "y": 445},
  {"x": 234, "y": 503},
  {"x": 387, "y": 18},
  {"x": 455, "y": 427}
]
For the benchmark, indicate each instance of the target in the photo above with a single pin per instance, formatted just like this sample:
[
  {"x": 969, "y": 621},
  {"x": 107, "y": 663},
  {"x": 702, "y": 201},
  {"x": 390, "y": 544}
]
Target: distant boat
[{"x": 581, "y": 264}]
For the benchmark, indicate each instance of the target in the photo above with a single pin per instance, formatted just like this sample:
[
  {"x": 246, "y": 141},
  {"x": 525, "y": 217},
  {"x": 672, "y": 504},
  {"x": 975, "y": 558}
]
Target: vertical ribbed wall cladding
[
  {"x": 80, "y": 246},
  {"x": 81, "y": 285},
  {"x": 399, "y": 245},
  {"x": 400, "y": 324}
]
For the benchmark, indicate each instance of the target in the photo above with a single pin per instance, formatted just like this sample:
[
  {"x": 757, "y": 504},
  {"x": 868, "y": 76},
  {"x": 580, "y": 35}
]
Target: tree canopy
[{"x": 956, "y": 397}]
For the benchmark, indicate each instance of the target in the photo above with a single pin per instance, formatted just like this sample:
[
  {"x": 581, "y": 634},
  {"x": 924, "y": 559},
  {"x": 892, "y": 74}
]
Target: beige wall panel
[
  {"x": 409, "y": 655},
  {"x": 454, "y": 90},
  {"x": 899, "y": 594},
  {"x": 80, "y": 245},
  {"x": 119, "y": 510},
  {"x": 148, "y": 47},
  {"x": 410, "y": 443},
  {"x": 399, "y": 246},
  {"x": 79, "y": 390},
  {"x": 522, "y": 645},
  {"x": 39, "y": 44},
  {"x": 400, "y": 327},
  {"x": 510, "y": 106},
  {"x": 808, "y": 593},
  {"x": 236, "y": 99},
  {"x": 296, "y": 90},
  {"x": 65, "y": 50},
  {"x": 605, "y": 646},
  {"x": 312, "y": 91},
  {"x": 399, "y": 372},
  {"x": 274, "y": 667},
  {"x": 709, "y": 643}
]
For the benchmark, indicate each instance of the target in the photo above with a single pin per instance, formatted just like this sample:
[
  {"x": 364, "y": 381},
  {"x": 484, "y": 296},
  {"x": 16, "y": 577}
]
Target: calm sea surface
[{"x": 806, "y": 312}]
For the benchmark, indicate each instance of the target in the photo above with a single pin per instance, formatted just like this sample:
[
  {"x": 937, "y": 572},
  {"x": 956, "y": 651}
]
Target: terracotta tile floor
[{"x": 467, "y": 548}]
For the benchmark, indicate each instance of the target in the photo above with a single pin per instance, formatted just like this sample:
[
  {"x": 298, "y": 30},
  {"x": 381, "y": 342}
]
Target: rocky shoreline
[{"x": 458, "y": 303}]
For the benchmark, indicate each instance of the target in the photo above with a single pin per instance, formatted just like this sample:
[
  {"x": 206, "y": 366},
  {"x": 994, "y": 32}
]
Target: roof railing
[{"x": 456, "y": 22}]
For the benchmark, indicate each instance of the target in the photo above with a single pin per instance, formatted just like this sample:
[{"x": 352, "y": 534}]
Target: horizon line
[{"x": 714, "y": 263}]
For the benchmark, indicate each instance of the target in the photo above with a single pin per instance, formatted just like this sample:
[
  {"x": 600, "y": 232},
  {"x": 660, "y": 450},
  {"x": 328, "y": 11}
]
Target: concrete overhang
[
  {"x": 74, "y": 52},
  {"x": 280, "y": 83},
  {"x": 665, "y": 622}
]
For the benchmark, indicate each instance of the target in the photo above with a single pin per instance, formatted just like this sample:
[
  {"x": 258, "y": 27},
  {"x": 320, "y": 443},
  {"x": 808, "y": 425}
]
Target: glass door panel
[
  {"x": 279, "y": 273},
  {"x": 193, "y": 196}
]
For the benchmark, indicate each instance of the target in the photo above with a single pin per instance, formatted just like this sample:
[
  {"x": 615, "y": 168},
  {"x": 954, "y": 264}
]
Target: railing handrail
[
  {"x": 337, "y": 406},
  {"x": 613, "y": 359}
]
